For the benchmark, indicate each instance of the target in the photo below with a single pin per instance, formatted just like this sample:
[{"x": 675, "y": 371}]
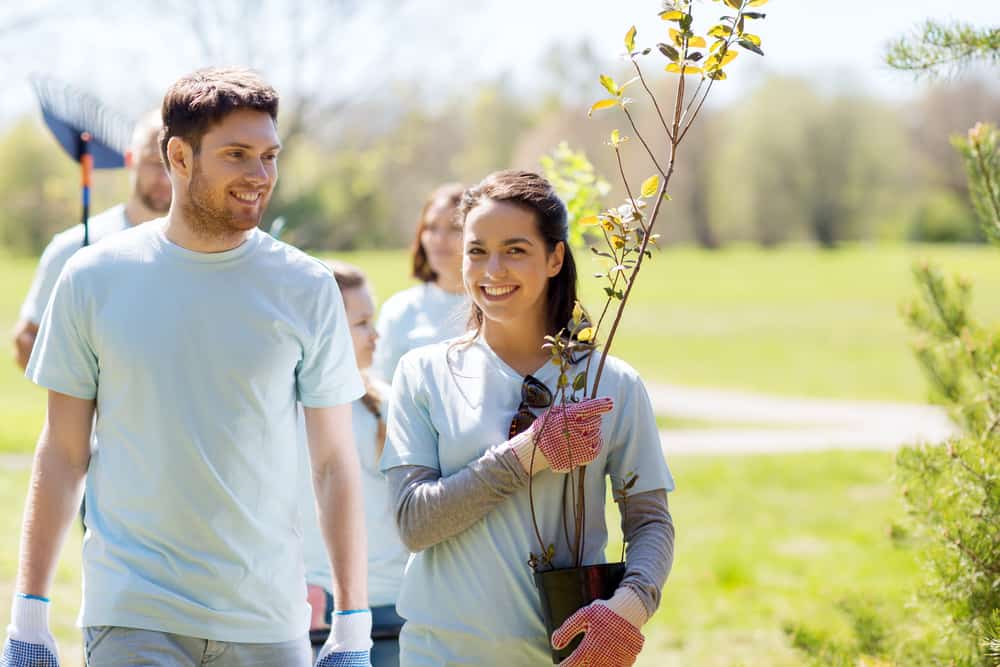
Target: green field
[{"x": 795, "y": 321}]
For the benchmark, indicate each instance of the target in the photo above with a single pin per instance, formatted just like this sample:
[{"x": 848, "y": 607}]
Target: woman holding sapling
[
  {"x": 459, "y": 446},
  {"x": 433, "y": 310},
  {"x": 386, "y": 554}
]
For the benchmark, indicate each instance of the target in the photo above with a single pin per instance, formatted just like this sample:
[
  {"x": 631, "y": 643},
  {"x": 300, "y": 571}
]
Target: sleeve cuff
[
  {"x": 627, "y": 604},
  {"x": 29, "y": 617}
]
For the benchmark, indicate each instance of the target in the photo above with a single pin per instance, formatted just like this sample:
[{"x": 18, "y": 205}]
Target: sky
[{"x": 112, "y": 49}]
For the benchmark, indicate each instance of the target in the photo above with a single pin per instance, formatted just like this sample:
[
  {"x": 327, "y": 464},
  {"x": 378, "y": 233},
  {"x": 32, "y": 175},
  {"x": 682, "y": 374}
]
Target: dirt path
[{"x": 790, "y": 424}]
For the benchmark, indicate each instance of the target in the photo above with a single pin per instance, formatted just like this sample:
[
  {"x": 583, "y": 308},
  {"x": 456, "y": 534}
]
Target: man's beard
[{"x": 207, "y": 219}]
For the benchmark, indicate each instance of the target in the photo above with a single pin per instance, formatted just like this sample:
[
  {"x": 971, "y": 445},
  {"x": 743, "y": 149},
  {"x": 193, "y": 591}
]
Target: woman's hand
[
  {"x": 566, "y": 436},
  {"x": 611, "y": 627}
]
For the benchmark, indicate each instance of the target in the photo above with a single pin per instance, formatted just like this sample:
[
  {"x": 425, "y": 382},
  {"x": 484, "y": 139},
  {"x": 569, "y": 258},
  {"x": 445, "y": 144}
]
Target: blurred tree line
[{"x": 801, "y": 163}]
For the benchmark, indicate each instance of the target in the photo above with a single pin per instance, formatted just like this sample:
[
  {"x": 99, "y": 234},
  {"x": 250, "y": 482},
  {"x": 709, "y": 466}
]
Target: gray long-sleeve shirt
[{"x": 430, "y": 508}]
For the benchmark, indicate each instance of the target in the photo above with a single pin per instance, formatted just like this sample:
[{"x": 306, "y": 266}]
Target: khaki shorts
[{"x": 111, "y": 646}]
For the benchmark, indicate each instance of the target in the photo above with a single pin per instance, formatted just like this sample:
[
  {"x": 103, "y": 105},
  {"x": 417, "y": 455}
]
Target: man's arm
[
  {"x": 61, "y": 461},
  {"x": 337, "y": 483},
  {"x": 24, "y": 341}
]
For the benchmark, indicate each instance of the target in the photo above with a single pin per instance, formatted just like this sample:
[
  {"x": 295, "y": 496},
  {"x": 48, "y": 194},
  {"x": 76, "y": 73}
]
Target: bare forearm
[
  {"x": 342, "y": 520},
  {"x": 431, "y": 508},
  {"x": 52, "y": 502},
  {"x": 24, "y": 341}
]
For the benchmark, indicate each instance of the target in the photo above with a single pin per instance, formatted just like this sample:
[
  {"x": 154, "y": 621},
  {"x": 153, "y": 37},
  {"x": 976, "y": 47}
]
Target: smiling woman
[{"x": 458, "y": 455}]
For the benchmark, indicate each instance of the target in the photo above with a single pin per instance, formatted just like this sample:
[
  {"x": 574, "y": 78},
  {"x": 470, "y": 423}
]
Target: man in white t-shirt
[
  {"x": 193, "y": 337},
  {"x": 149, "y": 198}
]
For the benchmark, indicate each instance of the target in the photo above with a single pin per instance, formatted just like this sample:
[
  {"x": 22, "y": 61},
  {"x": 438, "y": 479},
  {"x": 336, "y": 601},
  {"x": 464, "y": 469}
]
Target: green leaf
[
  {"x": 585, "y": 334},
  {"x": 610, "y": 85},
  {"x": 756, "y": 3},
  {"x": 669, "y": 51},
  {"x": 694, "y": 42},
  {"x": 750, "y": 46},
  {"x": 580, "y": 381},
  {"x": 695, "y": 56},
  {"x": 650, "y": 185},
  {"x": 686, "y": 22},
  {"x": 630, "y": 39},
  {"x": 733, "y": 4},
  {"x": 752, "y": 38},
  {"x": 754, "y": 15},
  {"x": 602, "y": 104}
]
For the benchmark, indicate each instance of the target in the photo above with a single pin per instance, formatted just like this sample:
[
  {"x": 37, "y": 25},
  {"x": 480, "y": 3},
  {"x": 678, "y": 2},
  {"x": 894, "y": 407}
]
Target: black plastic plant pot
[{"x": 565, "y": 591}]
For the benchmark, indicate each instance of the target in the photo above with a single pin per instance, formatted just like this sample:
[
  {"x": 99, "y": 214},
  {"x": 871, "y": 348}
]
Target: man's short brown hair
[{"x": 200, "y": 100}]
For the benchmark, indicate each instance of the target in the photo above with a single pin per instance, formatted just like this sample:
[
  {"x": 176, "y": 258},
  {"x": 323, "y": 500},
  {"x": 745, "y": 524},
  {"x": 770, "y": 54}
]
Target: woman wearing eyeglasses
[
  {"x": 435, "y": 309},
  {"x": 386, "y": 554},
  {"x": 458, "y": 449}
]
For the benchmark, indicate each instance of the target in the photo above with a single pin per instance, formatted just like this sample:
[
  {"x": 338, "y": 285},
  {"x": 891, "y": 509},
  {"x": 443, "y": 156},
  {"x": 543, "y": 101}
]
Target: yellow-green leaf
[
  {"x": 753, "y": 39},
  {"x": 589, "y": 221},
  {"x": 676, "y": 37},
  {"x": 630, "y": 39},
  {"x": 717, "y": 74},
  {"x": 577, "y": 312},
  {"x": 609, "y": 84},
  {"x": 756, "y": 3},
  {"x": 715, "y": 45},
  {"x": 688, "y": 69},
  {"x": 720, "y": 30},
  {"x": 616, "y": 137},
  {"x": 618, "y": 241},
  {"x": 585, "y": 335},
  {"x": 672, "y": 15},
  {"x": 734, "y": 4},
  {"x": 694, "y": 42},
  {"x": 716, "y": 62},
  {"x": 650, "y": 185},
  {"x": 602, "y": 104}
]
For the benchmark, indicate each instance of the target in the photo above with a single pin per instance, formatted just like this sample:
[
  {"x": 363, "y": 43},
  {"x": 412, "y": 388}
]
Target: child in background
[{"x": 386, "y": 554}]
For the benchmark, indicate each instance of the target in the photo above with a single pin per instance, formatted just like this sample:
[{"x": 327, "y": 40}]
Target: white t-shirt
[
  {"x": 421, "y": 315},
  {"x": 386, "y": 554},
  {"x": 470, "y": 599},
  {"x": 196, "y": 362},
  {"x": 61, "y": 248}
]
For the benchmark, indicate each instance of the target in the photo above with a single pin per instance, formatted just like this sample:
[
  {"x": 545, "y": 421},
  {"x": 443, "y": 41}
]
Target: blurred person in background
[
  {"x": 433, "y": 310},
  {"x": 149, "y": 198},
  {"x": 386, "y": 554}
]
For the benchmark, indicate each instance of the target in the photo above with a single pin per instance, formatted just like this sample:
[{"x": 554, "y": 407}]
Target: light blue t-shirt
[
  {"x": 386, "y": 554},
  {"x": 421, "y": 315},
  {"x": 196, "y": 362},
  {"x": 470, "y": 599},
  {"x": 62, "y": 246}
]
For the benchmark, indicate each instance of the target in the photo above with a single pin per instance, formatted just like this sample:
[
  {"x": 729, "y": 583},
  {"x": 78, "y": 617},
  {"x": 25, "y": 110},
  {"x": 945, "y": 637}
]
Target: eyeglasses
[{"x": 534, "y": 394}]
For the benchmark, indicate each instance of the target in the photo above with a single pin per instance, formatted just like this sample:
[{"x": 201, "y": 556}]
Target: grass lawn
[{"x": 763, "y": 543}]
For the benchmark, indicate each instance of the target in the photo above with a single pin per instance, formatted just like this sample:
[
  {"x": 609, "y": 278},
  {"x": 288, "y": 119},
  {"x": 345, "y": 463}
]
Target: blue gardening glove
[
  {"x": 29, "y": 642},
  {"x": 350, "y": 640}
]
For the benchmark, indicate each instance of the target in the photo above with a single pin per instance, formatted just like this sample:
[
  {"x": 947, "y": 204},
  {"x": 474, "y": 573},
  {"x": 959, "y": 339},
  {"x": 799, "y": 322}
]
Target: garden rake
[{"x": 90, "y": 133}]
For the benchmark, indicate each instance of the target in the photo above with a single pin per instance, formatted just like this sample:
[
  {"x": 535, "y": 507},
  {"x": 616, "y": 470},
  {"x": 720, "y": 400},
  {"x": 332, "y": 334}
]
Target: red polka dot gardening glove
[
  {"x": 611, "y": 632},
  {"x": 556, "y": 449}
]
